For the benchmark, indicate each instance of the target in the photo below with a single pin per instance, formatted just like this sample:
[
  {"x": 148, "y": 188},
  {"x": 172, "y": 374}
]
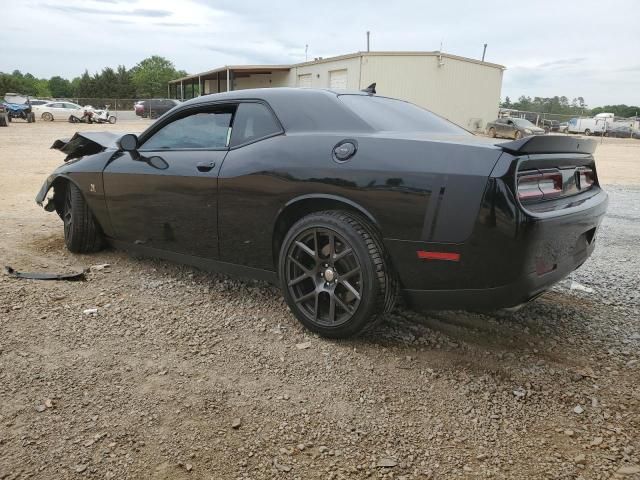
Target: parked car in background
[
  {"x": 344, "y": 200},
  {"x": 623, "y": 132},
  {"x": 549, "y": 125},
  {"x": 512, "y": 128},
  {"x": 4, "y": 121},
  {"x": 563, "y": 127},
  {"x": 58, "y": 111},
  {"x": 155, "y": 107}
]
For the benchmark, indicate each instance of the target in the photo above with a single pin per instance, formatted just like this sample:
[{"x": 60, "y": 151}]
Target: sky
[{"x": 573, "y": 48}]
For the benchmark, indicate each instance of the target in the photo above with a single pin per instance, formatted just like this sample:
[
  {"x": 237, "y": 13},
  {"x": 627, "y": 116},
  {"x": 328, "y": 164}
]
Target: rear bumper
[
  {"x": 524, "y": 289},
  {"x": 501, "y": 268}
]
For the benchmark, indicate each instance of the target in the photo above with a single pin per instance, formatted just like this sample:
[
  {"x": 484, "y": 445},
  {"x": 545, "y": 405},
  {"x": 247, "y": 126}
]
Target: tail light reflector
[
  {"x": 538, "y": 186},
  {"x": 586, "y": 178}
]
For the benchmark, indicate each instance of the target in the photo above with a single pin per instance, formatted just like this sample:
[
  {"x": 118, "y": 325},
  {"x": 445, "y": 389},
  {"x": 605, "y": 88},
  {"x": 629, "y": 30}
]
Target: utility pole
[
  {"x": 368, "y": 34},
  {"x": 484, "y": 51}
]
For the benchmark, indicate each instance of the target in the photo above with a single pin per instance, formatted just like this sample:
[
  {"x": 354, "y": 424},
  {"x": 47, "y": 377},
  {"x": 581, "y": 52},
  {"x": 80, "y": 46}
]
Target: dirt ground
[{"x": 184, "y": 374}]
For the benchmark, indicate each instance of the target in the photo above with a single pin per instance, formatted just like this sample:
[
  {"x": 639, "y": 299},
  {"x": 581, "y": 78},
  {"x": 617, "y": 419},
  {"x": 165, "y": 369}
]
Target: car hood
[{"x": 87, "y": 143}]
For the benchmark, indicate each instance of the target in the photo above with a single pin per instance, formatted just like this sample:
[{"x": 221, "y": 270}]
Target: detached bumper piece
[{"x": 74, "y": 276}]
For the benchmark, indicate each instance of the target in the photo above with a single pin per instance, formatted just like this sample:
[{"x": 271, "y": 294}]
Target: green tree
[
  {"x": 86, "y": 86},
  {"x": 151, "y": 75},
  {"x": 60, "y": 87}
]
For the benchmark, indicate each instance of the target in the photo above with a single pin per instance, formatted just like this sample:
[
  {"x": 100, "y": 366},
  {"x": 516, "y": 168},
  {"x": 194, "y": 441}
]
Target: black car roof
[{"x": 299, "y": 109}]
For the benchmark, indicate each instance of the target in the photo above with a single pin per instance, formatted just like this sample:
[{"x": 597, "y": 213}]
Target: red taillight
[
  {"x": 586, "y": 178},
  {"x": 538, "y": 186}
]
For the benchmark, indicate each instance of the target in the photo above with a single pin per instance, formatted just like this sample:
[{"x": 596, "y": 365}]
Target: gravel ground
[{"x": 184, "y": 374}]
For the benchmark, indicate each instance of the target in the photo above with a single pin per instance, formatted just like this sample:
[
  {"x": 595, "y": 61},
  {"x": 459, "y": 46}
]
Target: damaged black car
[{"x": 348, "y": 201}]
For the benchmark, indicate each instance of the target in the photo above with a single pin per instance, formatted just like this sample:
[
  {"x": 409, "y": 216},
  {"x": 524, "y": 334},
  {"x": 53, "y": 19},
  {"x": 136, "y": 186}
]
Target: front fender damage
[{"x": 50, "y": 206}]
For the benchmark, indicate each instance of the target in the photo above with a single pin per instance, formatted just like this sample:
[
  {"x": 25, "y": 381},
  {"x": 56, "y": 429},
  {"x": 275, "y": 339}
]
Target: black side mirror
[{"x": 128, "y": 143}]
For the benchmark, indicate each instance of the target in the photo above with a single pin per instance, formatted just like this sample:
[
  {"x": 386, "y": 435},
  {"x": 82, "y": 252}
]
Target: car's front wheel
[
  {"x": 517, "y": 135},
  {"x": 82, "y": 234},
  {"x": 334, "y": 274}
]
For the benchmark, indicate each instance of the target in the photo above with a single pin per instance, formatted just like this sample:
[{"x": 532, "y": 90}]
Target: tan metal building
[{"x": 464, "y": 90}]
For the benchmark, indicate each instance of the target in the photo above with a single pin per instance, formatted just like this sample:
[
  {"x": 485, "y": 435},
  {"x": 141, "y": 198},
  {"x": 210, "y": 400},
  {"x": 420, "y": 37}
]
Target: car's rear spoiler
[
  {"x": 549, "y": 144},
  {"x": 86, "y": 143}
]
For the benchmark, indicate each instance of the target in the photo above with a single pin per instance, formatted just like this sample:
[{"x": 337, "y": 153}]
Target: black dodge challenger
[{"x": 348, "y": 201}]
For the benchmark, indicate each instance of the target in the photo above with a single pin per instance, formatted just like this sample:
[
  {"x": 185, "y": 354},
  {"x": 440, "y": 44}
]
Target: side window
[
  {"x": 56, "y": 105},
  {"x": 253, "y": 121},
  {"x": 201, "y": 130}
]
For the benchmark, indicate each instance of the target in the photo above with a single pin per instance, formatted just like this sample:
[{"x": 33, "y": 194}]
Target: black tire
[
  {"x": 350, "y": 272},
  {"x": 492, "y": 132},
  {"x": 82, "y": 234},
  {"x": 33, "y": 117},
  {"x": 28, "y": 118},
  {"x": 3, "y": 121},
  {"x": 47, "y": 117},
  {"x": 517, "y": 135},
  {"x": 112, "y": 119},
  {"x": 587, "y": 132}
]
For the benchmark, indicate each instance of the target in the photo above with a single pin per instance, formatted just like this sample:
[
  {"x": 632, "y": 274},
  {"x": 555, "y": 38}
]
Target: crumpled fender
[
  {"x": 86, "y": 143},
  {"x": 46, "y": 186}
]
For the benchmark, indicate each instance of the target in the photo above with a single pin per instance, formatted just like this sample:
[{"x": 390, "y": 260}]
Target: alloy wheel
[
  {"x": 67, "y": 217},
  {"x": 324, "y": 276}
]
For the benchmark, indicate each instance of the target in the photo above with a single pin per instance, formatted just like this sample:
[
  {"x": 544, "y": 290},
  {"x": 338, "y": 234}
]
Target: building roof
[
  {"x": 257, "y": 69},
  {"x": 249, "y": 69}
]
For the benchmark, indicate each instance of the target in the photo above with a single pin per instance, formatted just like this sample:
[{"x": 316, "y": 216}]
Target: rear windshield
[{"x": 388, "y": 114}]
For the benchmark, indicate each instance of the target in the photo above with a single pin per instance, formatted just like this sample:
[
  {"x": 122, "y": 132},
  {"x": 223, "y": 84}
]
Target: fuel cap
[{"x": 344, "y": 150}]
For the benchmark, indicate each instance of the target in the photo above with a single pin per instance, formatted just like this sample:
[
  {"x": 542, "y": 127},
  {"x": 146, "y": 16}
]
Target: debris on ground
[{"x": 73, "y": 276}]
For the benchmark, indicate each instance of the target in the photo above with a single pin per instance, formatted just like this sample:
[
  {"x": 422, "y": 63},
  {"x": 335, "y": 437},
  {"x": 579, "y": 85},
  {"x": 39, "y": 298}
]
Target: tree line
[
  {"x": 562, "y": 106},
  {"x": 147, "y": 79}
]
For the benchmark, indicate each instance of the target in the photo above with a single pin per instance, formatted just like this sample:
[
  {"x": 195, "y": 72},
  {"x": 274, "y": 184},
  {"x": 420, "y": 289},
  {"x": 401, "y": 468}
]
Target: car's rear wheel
[
  {"x": 587, "y": 132},
  {"x": 517, "y": 135},
  {"x": 82, "y": 234},
  {"x": 334, "y": 274},
  {"x": 112, "y": 119},
  {"x": 47, "y": 117},
  {"x": 492, "y": 132}
]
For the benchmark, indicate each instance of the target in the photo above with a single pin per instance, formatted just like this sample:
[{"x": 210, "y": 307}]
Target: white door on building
[
  {"x": 338, "y": 79},
  {"x": 304, "y": 80}
]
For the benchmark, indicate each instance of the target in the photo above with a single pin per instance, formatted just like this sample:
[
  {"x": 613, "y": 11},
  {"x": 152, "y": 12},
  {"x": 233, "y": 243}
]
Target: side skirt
[{"x": 216, "y": 266}]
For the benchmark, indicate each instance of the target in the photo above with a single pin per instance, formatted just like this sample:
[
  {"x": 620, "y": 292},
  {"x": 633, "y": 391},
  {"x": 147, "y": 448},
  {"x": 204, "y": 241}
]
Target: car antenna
[{"x": 371, "y": 89}]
